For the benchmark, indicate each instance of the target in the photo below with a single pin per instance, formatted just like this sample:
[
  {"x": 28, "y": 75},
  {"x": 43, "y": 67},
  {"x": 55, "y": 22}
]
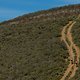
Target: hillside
[{"x": 31, "y": 47}]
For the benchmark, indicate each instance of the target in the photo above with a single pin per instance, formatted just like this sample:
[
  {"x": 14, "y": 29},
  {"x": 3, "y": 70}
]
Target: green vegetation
[
  {"x": 76, "y": 32},
  {"x": 33, "y": 51},
  {"x": 76, "y": 37},
  {"x": 31, "y": 47}
]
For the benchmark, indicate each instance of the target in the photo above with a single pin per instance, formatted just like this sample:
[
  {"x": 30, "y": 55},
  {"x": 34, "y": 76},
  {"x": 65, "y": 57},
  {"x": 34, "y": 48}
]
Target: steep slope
[
  {"x": 31, "y": 46},
  {"x": 76, "y": 37},
  {"x": 74, "y": 55}
]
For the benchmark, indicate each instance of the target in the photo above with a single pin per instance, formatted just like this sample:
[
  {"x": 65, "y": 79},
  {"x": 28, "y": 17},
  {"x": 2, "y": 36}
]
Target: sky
[{"x": 12, "y": 8}]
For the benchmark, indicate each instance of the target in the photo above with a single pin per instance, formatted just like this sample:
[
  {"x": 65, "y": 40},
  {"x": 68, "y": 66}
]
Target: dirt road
[{"x": 73, "y": 51}]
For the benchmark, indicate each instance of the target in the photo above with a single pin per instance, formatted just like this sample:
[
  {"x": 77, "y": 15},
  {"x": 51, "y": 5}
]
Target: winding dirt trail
[{"x": 73, "y": 51}]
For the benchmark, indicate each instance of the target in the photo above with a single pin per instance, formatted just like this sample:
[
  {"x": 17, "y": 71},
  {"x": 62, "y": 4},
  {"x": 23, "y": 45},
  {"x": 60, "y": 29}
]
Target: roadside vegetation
[{"x": 76, "y": 37}]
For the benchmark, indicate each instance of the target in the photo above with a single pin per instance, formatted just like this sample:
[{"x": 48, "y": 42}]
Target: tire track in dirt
[
  {"x": 74, "y": 56},
  {"x": 69, "y": 37},
  {"x": 63, "y": 38}
]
